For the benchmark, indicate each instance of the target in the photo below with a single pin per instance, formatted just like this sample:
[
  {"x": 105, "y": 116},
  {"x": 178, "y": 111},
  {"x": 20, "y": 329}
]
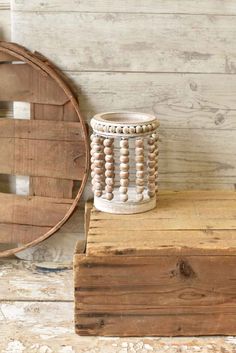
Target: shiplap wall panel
[
  {"x": 132, "y": 42},
  {"x": 5, "y": 20},
  {"x": 169, "y": 60},
  {"x": 179, "y": 100},
  {"x": 227, "y": 7}
]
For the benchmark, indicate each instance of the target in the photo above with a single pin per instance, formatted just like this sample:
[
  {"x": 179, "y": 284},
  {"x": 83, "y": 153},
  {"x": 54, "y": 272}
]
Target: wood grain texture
[
  {"x": 29, "y": 210},
  {"x": 166, "y": 272},
  {"x": 155, "y": 296},
  {"x": 21, "y": 82},
  {"x": 226, "y": 7},
  {"x": 40, "y": 130},
  {"x": 26, "y": 149},
  {"x": 36, "y": 310},
  {"x": 34, "y": 158},
  {"x": 189, "y": 222},
  {"x": 132, "y": 42}
]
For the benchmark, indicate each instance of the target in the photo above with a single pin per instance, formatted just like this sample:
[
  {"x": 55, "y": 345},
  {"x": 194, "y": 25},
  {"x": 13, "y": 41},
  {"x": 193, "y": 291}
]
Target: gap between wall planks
[{"x": 226, "y": 7}]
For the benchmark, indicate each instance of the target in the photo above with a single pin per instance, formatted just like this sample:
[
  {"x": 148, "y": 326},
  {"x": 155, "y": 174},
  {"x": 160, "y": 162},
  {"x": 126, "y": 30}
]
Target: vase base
[{"x": 127, "y": 207}]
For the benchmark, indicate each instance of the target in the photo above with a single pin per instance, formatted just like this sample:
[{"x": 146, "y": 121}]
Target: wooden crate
[{"x": 166, "y": 272}]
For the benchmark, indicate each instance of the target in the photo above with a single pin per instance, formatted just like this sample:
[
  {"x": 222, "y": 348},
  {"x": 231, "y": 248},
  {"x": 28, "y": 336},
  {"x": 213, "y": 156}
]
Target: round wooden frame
[{"x": 14, "y": 52}]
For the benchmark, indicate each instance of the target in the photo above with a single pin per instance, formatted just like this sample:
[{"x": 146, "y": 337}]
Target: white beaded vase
[{"x": 124, "y": 162}]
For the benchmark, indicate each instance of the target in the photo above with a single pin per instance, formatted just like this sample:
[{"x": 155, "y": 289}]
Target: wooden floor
[{"x": 36, "y": 316}]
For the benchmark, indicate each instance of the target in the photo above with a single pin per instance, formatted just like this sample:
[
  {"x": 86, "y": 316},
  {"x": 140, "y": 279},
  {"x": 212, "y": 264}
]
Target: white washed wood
[
  {"x": 226, "y": 7},
  {"x": 5, "y": 23},
  {"x": 5, "y": 5},
  {"x": 24, "y": 280},
  {"x": 131, "y": 42},
  {"x": 36, "y": 316},
  {"x": 178, "y": 100}
]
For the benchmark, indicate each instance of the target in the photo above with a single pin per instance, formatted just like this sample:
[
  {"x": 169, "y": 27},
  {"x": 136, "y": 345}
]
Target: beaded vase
[{"x": 124, "y": 162}]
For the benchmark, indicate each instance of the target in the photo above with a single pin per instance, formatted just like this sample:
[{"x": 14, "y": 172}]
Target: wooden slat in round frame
[{"x": 51, "y": 148}]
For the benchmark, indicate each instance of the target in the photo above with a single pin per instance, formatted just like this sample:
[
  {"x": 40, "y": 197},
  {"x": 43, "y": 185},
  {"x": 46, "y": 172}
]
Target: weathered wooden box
[{"x": 166, "y": 272}]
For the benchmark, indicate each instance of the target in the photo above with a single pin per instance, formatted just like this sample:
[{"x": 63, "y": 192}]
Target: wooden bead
[
  {"x": 139, "y": 151},
  {"x": 140, "y": 182},
  {"x": 124, "y": 197},
  {"x": 139, "y": 143},
  {"x": 109, "y": 181},
  {"x": 97, "y": 139},
  {"x": 151, "y": 148},
  {"x": 108, "y": 142},
  {"x": 139, "y": 197},
  {"x": 139, "y": 166},
  {"x": 151, "y": 193},
  {"x": 139, "y": 159},
  {"x": 140, "y": 174},
  {"x": 98, "y": 186},
  {"x": 124, "y": 143},
  {"x": 126, "y": 129},
  {"x": 119, "y": 129},
  {"x": 109, "y": 158},
  {"x": 109, "y": 173},
  {"x": 151, "y": 164},
  {"x": 109, "y": 196},
  {"x": 151, "y": 171},
  {"x": 109, "y": 166},
  {"x": 124, "y": 159},
  {"x": 152, "y": 156},
  {"x": 98, "y": 170},
  {"x": 124, "y": 167},
  {"x": 139, "y": 189},
  {"x": 108, "y": 150},
  {"x": 99, "y": 163},
  {"x": 131, "y": 130},
  {"x": 98, "y": 155},
  {"x": 151, "y": 186},
  {"x": 138, "y": 129},
  {"x": 123, "y": 189},
  {"x": 98, "y": 177},
  {"x": 124, "y": 182},
  {"x": 98, "y": 193},
  {"x": 151, "y": 141},
  {"x": 151, "y": 178},
  {"x": 97, "y": 148},
  {"x": 124, "y": 175},
  {"x": 124, "y": 151},
  {"x": 109, "y": 188},
  {"x": 144, "y": 127}
]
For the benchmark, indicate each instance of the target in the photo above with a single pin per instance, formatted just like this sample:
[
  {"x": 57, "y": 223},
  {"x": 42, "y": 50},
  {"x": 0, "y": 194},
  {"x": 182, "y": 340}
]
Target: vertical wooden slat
[{"x": 47, "y": 186}]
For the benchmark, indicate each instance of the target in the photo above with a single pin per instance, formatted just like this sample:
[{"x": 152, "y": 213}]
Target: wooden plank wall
[
  {"x": 5, "y": 20},
  {"x": 5, "y": 109},
  {"x": 174, "y": 58}
]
